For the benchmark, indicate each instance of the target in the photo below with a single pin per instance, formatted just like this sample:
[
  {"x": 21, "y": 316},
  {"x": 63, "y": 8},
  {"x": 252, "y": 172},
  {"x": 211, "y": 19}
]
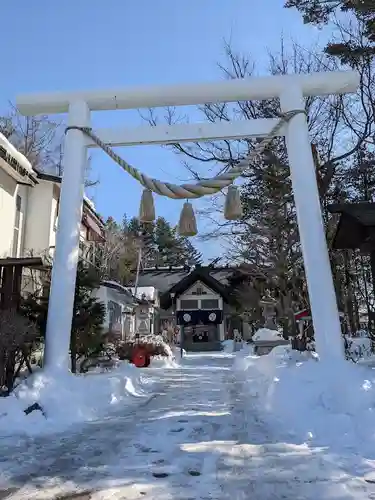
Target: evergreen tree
[
  {"x": 88, "y": 313},
  {"x": 192, "y": 256},
  {"x": 88, "y": 316},
  {"x": 269, "y": 239},
  {"x": 359, "y": 176},
  {"x": 162, "y": 245},
  {"x": 133, "y": 226},
  {"x": 322, "y": 11},
  {"x": 166, "y": 243},
  {"x": 119, "y": 251}
]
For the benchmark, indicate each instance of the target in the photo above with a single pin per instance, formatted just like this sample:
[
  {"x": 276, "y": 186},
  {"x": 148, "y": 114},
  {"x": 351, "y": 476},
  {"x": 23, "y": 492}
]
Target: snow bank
[
  {"x": 265, "y": 335},
  {"x": 312, "y": 402},
  {"x": 71, "y": 399},
  {"x": 228, "y": 345},
  {"x": 164, "y": 362}
]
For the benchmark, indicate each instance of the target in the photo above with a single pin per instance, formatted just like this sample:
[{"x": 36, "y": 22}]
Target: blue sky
[{"x": 92, "y": 44}]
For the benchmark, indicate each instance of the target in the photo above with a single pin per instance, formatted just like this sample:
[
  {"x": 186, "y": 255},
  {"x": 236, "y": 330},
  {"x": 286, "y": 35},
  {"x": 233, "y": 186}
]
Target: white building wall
[
  {"x": 101, "y": 295},
  {"x": 37, "y": 230},
  {"x": 39, "y": 218},
  {"x": 23, "y": 192},
  {"x": 8, "y": 192},
  {"x": 209, "y": 294},
  {"x": 53, "y": 221},
  {"x": 105, "y": 294}
]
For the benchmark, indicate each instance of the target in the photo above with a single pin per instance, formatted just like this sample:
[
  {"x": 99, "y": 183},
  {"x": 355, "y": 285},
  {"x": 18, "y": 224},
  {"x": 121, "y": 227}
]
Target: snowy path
[{"x": 193, "y": 440}]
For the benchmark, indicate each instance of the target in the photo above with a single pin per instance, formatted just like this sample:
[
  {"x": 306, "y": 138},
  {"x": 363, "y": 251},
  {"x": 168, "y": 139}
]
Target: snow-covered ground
[
  {"x": 219, "y": 426},
  {"x": 75, "y": 399},
  {"x": 328, "y": 409}
]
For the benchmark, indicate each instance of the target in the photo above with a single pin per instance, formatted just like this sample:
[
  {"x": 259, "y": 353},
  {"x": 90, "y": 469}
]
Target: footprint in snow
[
  {"x": 194, "y": 472},
  {"x": 143, "y": 449},
  {"x": 160, "y": 475}
]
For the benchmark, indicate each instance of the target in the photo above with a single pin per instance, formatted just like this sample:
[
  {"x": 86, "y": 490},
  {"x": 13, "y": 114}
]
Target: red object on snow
[
  {"x": 140, "y": 357},
  {"x": 304, "y": 314}
]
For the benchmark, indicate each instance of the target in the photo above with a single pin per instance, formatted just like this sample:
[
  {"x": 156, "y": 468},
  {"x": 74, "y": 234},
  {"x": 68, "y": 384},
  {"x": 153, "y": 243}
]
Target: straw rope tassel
[
  {"x": 147, "y": 207},
  {"x": 188, "y": 224},
  {"x": 233, "y": 207}
]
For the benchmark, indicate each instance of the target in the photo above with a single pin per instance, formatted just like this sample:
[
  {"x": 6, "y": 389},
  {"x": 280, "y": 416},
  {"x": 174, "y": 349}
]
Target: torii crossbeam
[{"x": 290, "y": 89}]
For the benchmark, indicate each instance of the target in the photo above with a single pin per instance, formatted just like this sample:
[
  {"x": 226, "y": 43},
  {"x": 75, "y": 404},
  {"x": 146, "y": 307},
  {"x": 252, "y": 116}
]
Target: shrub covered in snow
[
  {"x": 18, "y": 337},
  {"x": 357, "y": 348},
  {"x": 154, "y": 345}
]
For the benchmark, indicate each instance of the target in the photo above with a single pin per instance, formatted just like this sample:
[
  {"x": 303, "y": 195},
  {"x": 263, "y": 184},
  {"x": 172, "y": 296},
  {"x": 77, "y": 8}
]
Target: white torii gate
[{"x": 291, "y": 89}]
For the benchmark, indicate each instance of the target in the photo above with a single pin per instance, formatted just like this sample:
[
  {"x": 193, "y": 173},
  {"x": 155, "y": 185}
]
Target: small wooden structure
[
  {"x": 10, "y": 296},
  {"x": 304, "y": 316},
  {"x": 356, "y": 229},
  {"x": 303, "y": 319},
  {"x": 11, "y": 279},
  {"x": 356, "y": 226}
]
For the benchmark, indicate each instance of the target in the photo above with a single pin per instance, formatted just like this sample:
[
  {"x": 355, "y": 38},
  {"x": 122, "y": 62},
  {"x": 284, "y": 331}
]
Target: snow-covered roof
[
  {"x": 145, "y": 292},
  {"x": 89, "y": 202},
  {"x": 19, "y": 157},
  {"x": 164, "y": 278},
  {"x": 161, "y": 279},
  {"x": 117, "y": 286}
]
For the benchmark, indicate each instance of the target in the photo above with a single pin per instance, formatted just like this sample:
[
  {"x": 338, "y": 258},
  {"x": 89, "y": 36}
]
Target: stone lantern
[{"x": 268, "y": 305}]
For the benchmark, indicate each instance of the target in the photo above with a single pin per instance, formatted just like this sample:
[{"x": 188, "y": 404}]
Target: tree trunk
[
  {"x": 350, "y": 293},
  {"x": 10, "y": 369},
  {"x": 73, "y": 352}
]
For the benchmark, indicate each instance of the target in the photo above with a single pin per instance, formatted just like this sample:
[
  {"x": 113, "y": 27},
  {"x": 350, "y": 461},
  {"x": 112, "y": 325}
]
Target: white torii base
[{"x": 291, "y": 89}]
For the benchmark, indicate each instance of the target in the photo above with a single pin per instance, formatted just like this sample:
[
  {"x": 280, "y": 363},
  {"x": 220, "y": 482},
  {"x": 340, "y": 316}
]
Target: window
[
  {"x": 87, "y": 252},
  {"x": 189, "y": 304},
  {"x": 114, "y": 314},
  {"x": 199, "y": 291},
  {"x": 209, "y": 304},
  {"x": 56, "y": 216},
  {"x": 82, "y": 248},
  {"x": 90, "y": 253},
  {"x": 16, "y": 230}
]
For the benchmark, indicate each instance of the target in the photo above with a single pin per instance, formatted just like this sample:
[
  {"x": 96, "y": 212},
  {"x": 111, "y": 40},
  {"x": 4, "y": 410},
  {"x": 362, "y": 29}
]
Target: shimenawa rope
[{"x": 201, "y": 187}]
